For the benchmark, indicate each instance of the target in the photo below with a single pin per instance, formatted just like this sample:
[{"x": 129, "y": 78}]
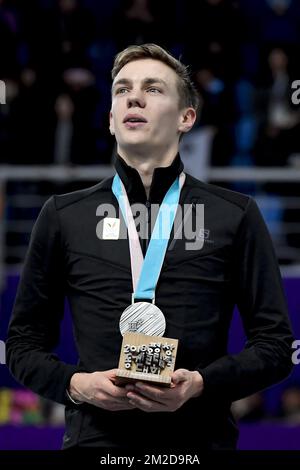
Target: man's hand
[
  {"x": 185, "y": 385},
  {"x": 99, "y": 389}
]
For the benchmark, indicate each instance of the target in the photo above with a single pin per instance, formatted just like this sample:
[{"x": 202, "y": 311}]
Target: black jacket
[{"x": 197, "y": 292}]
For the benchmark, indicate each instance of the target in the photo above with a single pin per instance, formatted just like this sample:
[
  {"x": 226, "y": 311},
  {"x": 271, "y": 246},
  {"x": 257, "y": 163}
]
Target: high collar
[{"x": 162, "y": 179}]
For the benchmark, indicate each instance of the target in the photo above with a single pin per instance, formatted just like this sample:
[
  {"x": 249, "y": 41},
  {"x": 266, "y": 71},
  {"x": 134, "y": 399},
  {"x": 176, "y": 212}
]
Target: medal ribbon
[{"x": 146, "y": 272}]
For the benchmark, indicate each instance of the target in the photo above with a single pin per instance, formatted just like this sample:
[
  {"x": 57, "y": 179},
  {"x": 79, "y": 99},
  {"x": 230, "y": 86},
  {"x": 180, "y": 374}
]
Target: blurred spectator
[
  {"x": 195, "y": 151},
  {"x": 77, "y": 30},
  {"x": 19, "y": 407},
  {"x": 9, "y": 35},
  {"x": 212, "y": 36},
  {"x": 214, "y": 97},
  {"x": 8, "y": 117},
  {"x": 64, "y": 109},
  {"x": 75, "y": 117},
  {"x": 216, "y": 113},
  {"x": 59, "y": 37},
  {"x": 278, "y": 136},
  {"x": 280, "y": 112},
  {"x": 279, "y": 127},
  {"x": 290, "y": 405},
  {"x": 142, "y": 21},
  {"x": 245, "y": 126},
  {"x": 249, "y": 409},
  {"x": 33, "y": 121},
  {"x": 23, "y": 407},
  {"x": 279, "y": 22}
]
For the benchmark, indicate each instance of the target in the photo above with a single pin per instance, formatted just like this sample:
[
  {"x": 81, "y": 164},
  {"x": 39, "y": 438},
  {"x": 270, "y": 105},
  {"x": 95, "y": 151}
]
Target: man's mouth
[{"x": 133, "y": 121}]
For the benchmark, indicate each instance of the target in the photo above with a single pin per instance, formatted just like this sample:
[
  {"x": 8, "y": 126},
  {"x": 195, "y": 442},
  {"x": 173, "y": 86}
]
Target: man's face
[{"x": 145, "y": 110}]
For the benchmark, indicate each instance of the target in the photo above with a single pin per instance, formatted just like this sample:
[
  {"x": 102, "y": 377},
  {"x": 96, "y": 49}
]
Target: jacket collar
[{"x": 163, "y": 177}]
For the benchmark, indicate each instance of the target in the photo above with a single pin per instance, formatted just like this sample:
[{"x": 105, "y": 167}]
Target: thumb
[
  {"x": 111, "y": 374},
  {"x": 180, "y": 375}
]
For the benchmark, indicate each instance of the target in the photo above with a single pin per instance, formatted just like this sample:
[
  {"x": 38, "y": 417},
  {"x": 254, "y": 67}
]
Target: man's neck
[{"x": 146, "y": 165}]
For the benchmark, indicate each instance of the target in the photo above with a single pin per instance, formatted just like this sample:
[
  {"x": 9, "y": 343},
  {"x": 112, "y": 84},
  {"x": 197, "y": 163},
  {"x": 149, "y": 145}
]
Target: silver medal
[{"x": 143, "y": 317}]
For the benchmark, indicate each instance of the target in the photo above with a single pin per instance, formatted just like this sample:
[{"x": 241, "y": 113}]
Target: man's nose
[{"x": 136, "y": 99}]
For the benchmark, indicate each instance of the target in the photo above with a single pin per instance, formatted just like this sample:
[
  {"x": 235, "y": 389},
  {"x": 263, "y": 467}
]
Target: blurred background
[{"x": 55, "y": 61}]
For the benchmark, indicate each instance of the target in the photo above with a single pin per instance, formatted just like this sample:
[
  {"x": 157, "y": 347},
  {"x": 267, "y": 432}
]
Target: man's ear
[
  {"x": 187, "y": 119},
  {"x": 111, "y": 123}
]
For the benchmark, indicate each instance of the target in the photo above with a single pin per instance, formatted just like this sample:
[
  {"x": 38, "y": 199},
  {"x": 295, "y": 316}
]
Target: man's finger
[
  {"x": 144, "y": 404},
  {"x": 113, "y": 390},
  {"x": 180, "y": 375},
  {"x": 115, "y": 406},
  {"x": 154, "y": 393},
  {"x": 104, "y": 396}
]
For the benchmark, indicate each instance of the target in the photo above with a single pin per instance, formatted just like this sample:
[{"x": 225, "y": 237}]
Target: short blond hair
[{"x": 188, "y": 95}]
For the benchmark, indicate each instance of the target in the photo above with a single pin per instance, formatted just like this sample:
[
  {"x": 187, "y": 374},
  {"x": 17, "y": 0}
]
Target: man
[{"x": 232, "y": 262}]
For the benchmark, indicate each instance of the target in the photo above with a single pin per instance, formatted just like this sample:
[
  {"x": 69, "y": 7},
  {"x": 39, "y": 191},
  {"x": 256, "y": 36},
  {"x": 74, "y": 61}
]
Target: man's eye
[
  {"x": 154, "y": 90},
  {"x": 121, "y": 91}
]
